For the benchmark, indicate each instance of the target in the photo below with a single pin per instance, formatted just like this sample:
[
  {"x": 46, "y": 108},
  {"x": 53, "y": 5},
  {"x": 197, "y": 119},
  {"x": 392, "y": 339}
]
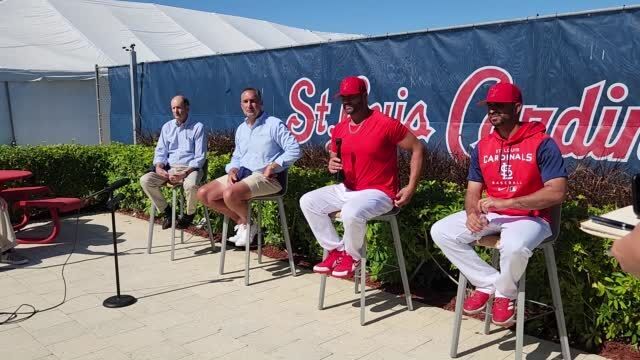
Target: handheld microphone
[
  {"x": 635, "y": 193},
  {"x": 340, "y": 173}
]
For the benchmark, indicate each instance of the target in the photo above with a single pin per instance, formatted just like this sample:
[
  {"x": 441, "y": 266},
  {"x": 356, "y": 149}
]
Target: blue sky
[{"x": 380, "y": 17}]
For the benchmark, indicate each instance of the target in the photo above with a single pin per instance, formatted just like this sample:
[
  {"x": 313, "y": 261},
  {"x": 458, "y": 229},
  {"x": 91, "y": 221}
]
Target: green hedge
[{"x": 600, "y": 302}]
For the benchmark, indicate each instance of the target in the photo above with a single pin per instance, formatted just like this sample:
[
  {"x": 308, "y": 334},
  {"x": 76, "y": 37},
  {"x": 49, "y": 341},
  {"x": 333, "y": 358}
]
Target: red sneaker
[
  {"x": 345, "y": 267},
  {"x": 327, "y": 265},
  {"x": 503, "y": 312},
  {"x": 476, "y": 302}
]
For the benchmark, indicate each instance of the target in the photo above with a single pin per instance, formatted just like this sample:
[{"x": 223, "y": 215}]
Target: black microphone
[
  {"x": 117, "y": 184},
  {"x": 111, "y": 188},
  {"x": 340, "y": 173}
]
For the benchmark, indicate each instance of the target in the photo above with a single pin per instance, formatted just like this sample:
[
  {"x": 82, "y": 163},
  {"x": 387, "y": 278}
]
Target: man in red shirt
[
  {"x": 367, "y": 158},
  {"x": 522, "y": 171}
]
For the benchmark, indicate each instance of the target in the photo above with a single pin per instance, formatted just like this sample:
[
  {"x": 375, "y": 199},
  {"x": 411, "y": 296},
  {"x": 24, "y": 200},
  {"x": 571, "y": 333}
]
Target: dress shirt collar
[
  {"x": 184, "y": 124},
  {"x": 259, "y": 119}
]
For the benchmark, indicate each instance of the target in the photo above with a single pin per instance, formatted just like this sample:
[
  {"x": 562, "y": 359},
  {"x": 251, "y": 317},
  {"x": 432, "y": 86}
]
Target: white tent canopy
[
  {"x": 61, "y": 38},
  {"x": 56, "y": 40}
]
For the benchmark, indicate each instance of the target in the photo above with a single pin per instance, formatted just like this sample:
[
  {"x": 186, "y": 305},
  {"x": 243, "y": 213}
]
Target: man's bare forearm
[
  {"x": 417, "y": 159},
  {"x": 471, "y": 202}
]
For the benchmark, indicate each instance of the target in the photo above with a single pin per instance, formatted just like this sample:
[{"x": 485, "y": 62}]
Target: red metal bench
[
  {"x": 23, "y": 193},
  {"x": 55, "y": 206}
]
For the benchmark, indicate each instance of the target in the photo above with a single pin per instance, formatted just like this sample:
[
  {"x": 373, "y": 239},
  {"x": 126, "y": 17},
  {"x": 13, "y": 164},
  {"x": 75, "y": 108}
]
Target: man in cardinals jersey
[
  {"x": 522, "y": 171},
  {"x": 369, "y": 141}
]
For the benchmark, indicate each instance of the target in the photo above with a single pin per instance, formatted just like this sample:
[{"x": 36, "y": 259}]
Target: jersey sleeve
[
  {"x": 550, "y": 161},
  {"x": 396, "y": 131},
  {"x": 474, "y": 167}
]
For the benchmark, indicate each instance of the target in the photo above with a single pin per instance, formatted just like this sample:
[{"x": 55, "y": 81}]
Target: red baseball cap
[
  {"x": 352, "y": 85},
  {"x": 503, "y": 92}
]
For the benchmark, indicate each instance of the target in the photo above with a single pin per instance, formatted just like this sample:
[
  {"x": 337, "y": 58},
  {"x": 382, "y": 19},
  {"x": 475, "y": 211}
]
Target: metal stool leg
[
  {"x": 152, "y": 218},
  {"x": 457, "y": 322},
  {"x": 323, "y": 284},
  {"x": 285, "y": 232},
  {"x": 208, "y": 220},
  {"x": 550, "y": 259},
  {"x": 173, "y": 225},
  {"x": 363, "y": 283},
  {"x": 356, "y": 288},
  {"x": 181, "y": 194},
  {"x": 495, "y": 261},
  {"x": 403, "y": 269},
  {"x": 247, "y": 247},
  {"x": 259, "y": 223},
  {"x": 223, "y": 244},
  {"x": 521, "y": 303}
]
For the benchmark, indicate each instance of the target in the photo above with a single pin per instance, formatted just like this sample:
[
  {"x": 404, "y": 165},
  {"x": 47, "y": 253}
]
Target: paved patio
[{"x": 186, "y": 311}]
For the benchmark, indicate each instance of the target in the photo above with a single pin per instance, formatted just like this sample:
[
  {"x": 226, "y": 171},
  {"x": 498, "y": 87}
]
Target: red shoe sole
[
  {"x": 507, "y": 323},
  {"x": 473, "y": 312},
  {"x": 347, "y": 276},
  {"x": 323, "y": 272}
]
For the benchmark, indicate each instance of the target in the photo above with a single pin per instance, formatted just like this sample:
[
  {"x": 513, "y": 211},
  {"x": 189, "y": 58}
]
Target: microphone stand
[{"x": 117, "y": 300}]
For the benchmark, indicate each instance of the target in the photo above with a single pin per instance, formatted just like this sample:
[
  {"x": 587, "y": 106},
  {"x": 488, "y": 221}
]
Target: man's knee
[
  {"x": 202, "y": 194},
  {"x": 306, "y": 201},
  {"x": 145, "y": 180},
  {"x": 438, "y": 232}
]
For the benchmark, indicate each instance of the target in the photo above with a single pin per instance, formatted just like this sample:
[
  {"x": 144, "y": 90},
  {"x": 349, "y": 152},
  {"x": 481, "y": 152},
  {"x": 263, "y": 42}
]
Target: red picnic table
[{"x": 21, "y": 196}]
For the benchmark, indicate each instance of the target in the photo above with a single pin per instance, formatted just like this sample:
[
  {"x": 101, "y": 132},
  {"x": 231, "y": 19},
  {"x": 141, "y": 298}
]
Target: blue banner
[{"x": 579, "y": 75}]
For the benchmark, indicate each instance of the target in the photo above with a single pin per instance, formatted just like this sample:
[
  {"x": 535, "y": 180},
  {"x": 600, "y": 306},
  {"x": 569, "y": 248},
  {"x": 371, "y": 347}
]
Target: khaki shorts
[{"x": 258, "y": 184}]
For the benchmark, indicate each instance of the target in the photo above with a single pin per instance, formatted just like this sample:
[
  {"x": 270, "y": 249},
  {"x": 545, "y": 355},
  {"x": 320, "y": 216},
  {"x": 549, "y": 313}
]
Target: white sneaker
[
  {"x": 235, "y": 237},
  {"x": 242, "y": 240}
]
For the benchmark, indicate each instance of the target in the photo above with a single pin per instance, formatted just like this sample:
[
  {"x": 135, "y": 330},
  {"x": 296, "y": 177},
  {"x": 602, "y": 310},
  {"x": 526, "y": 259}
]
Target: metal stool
[
  {"x": 175, "y": 190},
  {"x": 390, "y": 217},
  {"x": 492, "y": 241},
  {"x": 278, "y": 197}
]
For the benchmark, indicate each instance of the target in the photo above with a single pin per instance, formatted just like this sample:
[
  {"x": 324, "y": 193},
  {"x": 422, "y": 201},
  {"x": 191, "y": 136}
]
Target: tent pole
[
  {"x": 133, "y": 74},
  {"x": 100, "y": 134},
  {"x": 13, "y": 132}
]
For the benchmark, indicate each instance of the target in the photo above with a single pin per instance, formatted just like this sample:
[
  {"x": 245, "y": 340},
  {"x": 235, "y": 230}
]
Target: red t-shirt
[{"x": 369, "y": 152}]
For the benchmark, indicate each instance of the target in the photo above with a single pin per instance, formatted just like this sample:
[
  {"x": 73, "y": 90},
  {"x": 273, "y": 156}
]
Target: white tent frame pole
[
  {"x": 13, "y": 131},
  {"x": 133, "y": 74},
  {"x": 100, "y": 133}
]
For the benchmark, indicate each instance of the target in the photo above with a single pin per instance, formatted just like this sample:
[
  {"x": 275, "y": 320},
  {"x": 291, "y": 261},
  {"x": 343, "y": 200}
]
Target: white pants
[
  {"x": 356, "y": 208},
  {"x": 519, "y": 236},
  {"x": 151, "y": 183},
  {"x": 7, "y": 236}
]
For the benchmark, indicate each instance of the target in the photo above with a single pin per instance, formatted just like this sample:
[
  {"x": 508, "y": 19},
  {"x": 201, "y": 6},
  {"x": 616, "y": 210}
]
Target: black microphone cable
[{"x": 12, "y": 317}]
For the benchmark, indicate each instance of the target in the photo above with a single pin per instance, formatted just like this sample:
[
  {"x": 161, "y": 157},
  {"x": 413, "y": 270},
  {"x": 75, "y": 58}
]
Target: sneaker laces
[{"x": 346, "y": 259}]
